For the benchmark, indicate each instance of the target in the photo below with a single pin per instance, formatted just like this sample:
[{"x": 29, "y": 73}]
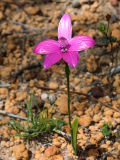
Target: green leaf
[
  {"x": 74, "y": 130},
  {"x": 106, "y": 129},
  {"x": 102, "y": 27}
]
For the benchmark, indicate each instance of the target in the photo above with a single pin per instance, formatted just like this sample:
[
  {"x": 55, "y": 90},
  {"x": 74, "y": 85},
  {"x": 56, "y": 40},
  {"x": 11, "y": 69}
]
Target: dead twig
[{"x": 12, "y": 115}]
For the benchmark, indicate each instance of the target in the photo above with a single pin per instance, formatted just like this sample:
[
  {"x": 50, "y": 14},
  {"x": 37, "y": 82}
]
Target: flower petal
[
  {"x": 47, "y": 47},
  {"x": 51, "y": 59},
  {"x": 71, "y": 58},
  {"x": 65, "y": 27},
  {"x": 79, "y": 43}
]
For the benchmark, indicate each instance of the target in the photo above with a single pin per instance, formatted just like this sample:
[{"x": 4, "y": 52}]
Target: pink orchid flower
[{"x": 66, "y": 47}]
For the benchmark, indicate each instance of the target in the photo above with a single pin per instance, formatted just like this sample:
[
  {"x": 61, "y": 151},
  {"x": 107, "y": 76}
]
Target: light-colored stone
[
  {"x": 96, "y": 118},
  {"x": 85, "y": 120},
  {"x": 53, "y": 85},
  {"x": 44, "y": 96},
  {"x": 116, "y": 33},
  {"x": 62, "y": 103},
  {"x": 5, "y": 72},
  {"x": 51, "y": 150},
  {"x": 3, "y": 92},
  {"x": 57, "y": 157},
  {"x": 98, "y": 136},
  {"x": 108, "y": 112},
  {"x": 20, "y": 152},
  {"x": 21, "y": 95},
  {"x": 1, "y": 15},
  {"x": 32, "y": 10},
  {"x": 56, "y": 142}
]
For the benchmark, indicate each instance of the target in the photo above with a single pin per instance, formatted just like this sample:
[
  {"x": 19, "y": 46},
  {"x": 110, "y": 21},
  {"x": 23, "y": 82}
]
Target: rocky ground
[{"x": 95, "y": 96}]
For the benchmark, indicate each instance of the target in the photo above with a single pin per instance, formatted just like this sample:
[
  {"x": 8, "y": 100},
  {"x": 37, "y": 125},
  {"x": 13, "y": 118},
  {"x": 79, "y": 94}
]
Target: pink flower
[{"x": 66, "y": 47}]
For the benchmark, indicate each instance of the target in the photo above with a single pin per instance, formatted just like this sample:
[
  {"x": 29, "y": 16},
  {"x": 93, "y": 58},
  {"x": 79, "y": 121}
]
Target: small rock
[
  {"x": 116, "y": 33},
  {"x": 21, "y": 95},
  {"x": 85, "y": 120},
  {"x": 32, "y": 10},
  {"x": 96, "y": 118},
  {"x": 5, "y": 72},
  {"x": 116, "y": 115},
  {"x": 52, "y": 98},
  {"x": 53, "y": 85},
  {"x": 75, "y": 4},
  {"x": 44, "y": 96},
  {"x": 91, "y": 64},
  {"x": 20, "y": 152},
  {"x": 3, "y": 92},
  {"x": 1, "y": 15},
  {"x": 108, "y": 112},
  {"x": 94, "y": 6},
  {"x": 57, "y": 157},
  {"x": 39, "y": 156},
  {"x": 98, "y": 136},
  {"x": 62, "y": 103},
  {"x": 4, "y": 121},
  {"x": 56, "y": 142},
  {"x": 51, "y": 150}
]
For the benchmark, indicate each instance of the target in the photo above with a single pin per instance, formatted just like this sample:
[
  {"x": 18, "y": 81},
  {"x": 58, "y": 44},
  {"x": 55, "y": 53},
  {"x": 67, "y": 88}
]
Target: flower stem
[{"x": 67, "y": 71}]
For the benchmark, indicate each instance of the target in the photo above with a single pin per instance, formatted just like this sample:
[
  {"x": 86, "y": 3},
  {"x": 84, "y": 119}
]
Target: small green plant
[
  {"x": 107, "y": 129},
  {"x": 37, "y": 124},
  {"x": 74, "y": 129},
  {"x": 107, "y": 37}
]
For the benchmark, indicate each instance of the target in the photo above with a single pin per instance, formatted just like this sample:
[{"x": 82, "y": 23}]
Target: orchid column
[{"x": 65, "y": 48}]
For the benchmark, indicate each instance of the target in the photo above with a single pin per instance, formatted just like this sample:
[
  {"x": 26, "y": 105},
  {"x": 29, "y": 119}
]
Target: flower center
[{"x": 64, "y": 45}]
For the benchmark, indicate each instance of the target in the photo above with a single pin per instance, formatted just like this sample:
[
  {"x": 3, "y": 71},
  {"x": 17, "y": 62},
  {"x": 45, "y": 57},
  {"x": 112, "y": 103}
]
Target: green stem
[{"x": 67, "y": 71}]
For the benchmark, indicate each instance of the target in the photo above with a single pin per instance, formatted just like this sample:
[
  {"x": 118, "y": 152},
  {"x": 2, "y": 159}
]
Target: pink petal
[
  {"x": 46, "y": 47},
  {"x": 65, "y": 27},
  {"x": 71, "y": 58},
  {"x": 79, "y": 43},
  {"x": 51, "y": 59}
]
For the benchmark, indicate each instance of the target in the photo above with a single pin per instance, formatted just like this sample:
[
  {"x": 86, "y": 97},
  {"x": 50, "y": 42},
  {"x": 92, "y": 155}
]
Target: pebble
[
  {"x": 52, "y": 98},
  {"x": 116, "y": 33},
  {"x": 51, "y": 150},
  {"x": 96, "y": 118},
  {"x": 62, "y": 103},
  {"x": 85, "y": 120},
  {"x": 3, "y": 92},
  {"x": 44, "y": 96},
  {"x": 32, "y": 10},
  {"x": 20, "y": 152},
  {"x": 1, "y": 15},
  {"x": 21, "y": 95},
  {"x": 56, "y": 142},
  {"x": 57, "y": 157},
  {"x": 108, "y": 112},
  {"x": 76, "y": 4},
  {"x": 53, "y": 85}
]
